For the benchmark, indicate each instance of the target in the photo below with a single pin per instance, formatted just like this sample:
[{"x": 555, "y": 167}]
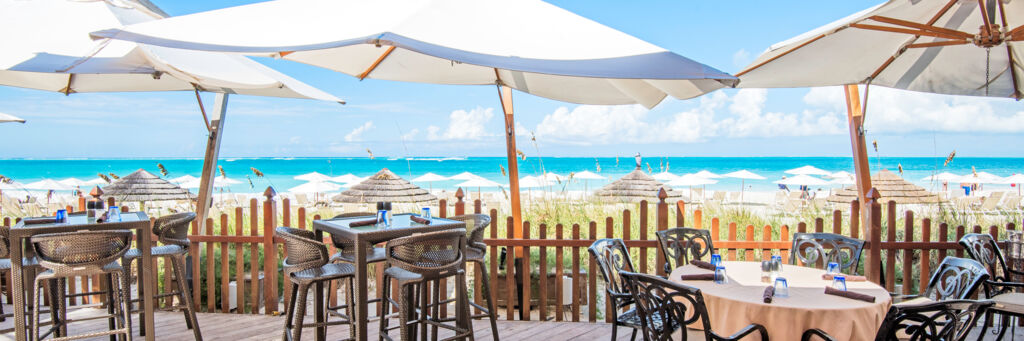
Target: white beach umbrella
[
  {"x": 944, "y": 176},
  {"x": 843, "y": 180},
  {"x": 588, "y": 175},
  {"x": 465, "y": 176},
  {"x": 96, "y": 182},
  {"x": 801, "y": 180},
  {"x": 315, "y": 187},
  {"x": 532, "y": 182},
  {"x": 743, "y": 175},
  {"x": 808, "y": 170},
  {"x": 14, "y": 185},
  {"x": 312, "y": 176},
  {"x": 551, "y": 177},
  {"x": 980, "y": 178},
  {"x": 478, "y": 183},
  {"x": 226, "y": 180},
  {"x": 990, "y": 178},
  {"x": 1016, "y": 180},
  {"x": 429, "y": 177},
  {"x": 691, "y": 180},
  {"x": 664, "y": 176},
  {"x": 74, "y": 182},
  {"x": 708, "y": 175},
  {"x": 183, "y": 179},
  {"x": 347, "y": 178},
  {"x": 4, "y": 118},
  {"x": 840, "y": 174},
  {"x": 48, "y": 184}
]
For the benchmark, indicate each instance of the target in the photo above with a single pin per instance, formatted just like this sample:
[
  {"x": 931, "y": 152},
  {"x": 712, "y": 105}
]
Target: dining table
[
  {"x": 739, "y": 302},
  {"x": 137, "y": 222},
  {"x": 365, "y": 237}
]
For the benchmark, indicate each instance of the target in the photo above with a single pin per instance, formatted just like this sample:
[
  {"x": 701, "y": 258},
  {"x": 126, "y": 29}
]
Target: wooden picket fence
[{"x": 244, "y": 243}]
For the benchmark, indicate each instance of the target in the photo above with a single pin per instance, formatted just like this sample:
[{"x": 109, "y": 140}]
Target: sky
[{"x": 409, "y": 119}]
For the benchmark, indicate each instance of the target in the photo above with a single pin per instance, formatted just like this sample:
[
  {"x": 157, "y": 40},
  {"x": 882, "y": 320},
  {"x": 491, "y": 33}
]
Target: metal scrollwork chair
[
  {"x": 818, "y": 249},
  {"x": 682, "y": 245},
  {"x": 665, "y": 306},
  {"x": 476, "y": 251},
  {"x": 613, "y": 259},
  {"x": 948, "y": 320},
  {"x": 955, "y": 279},
  {"x": 999, "y": 287},
  {"x": 308, "y": 265}
]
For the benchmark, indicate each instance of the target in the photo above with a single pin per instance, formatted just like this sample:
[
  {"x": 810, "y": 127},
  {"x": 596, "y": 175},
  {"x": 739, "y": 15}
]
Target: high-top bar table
[
  {"x": 364, "y": 238},
  {"x": 138, "y": 222}
]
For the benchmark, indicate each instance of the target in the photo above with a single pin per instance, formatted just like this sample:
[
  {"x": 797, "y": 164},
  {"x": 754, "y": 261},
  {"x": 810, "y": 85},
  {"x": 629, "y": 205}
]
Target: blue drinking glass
[
  {"x": 832, "y": 268},
  {"x": 426, "y": 213},
  {"x": 114, "y": 214},
  {"x": 720, "y": 276},
  {"x": 839, "y": 282},
  {"x": 61, "y": 216},
  {"x": 716, "y": 260},
  {"x": 781, "y": 287}
]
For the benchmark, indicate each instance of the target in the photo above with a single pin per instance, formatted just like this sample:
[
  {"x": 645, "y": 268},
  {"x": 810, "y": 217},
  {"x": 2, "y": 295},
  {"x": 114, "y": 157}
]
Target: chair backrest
[
  {"x": 476, "y": 224},
  {"x": 432, "y": 255},
  {"x": 613, "y": 259},
  {"x": 991, "y": 201},
  {"x": 956, "y": 279},
  {"x": 983, "y": 248},
  {"x": 820, "y": 248},
  {"x": 664, "y": 305},
  {"x": 80, "y": 252},
  {"x": 944, "y": 320},
  {"x": 5, "y": 242},
  {"x": 681, "y": 245},
  {"x": 304, "y": 251},
  {"x": 173, "y": 228}
]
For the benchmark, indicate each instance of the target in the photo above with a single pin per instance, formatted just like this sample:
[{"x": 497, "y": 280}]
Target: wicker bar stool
[
  {"x": 347, "y": 248},
  {"x": 172, "y": 231},
  {"x": 415, "y": 261},
  {"x": 308, "y": 265},
  {"x": 87, "y": 253},
  {"x": 476, "y": 252},
  {"x": 29, "y": 265}
]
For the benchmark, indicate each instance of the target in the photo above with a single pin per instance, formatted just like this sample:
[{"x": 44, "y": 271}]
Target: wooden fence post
[
  {"x": 874, "y": 214},
  {"x": 460, "y": 205},
  {"x": 269, "y": 254},
  {"x": 662, "y": 225}
]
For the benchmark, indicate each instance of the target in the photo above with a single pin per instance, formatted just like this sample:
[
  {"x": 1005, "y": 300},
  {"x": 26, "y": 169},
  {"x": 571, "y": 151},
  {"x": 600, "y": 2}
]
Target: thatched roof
[
  {"x": 635, "y": 186},
  {"x": 384, "y": 186},
  {"x": 890, "y": 187},
  {"x": 144, "y": 186}
]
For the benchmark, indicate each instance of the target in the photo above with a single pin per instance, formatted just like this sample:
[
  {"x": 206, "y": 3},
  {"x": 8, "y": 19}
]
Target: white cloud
[
  {"x": 411, "y": 134},
  {"x": 357, "y": 134},
  {"x": 463, "y": 125},
  {"x": 741, "y": 58}
]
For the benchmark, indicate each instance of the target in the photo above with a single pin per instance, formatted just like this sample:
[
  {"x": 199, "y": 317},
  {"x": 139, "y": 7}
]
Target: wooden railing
[{"x": 236, "y": 245}]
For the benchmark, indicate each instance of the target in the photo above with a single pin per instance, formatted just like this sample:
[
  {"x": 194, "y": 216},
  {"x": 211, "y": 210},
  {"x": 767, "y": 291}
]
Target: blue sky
[{"x": 399, "y": 119}]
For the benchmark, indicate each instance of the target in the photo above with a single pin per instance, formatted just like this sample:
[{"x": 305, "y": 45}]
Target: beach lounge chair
[
  {"x": 719, "y": 196},
  {"x": 735, "y": 198},
  {"x": 301, "y": 200},
  {"x": 1011, "y": 202},
  {"x": 697, "y": 194},
  {"x": 991, "y": 203}
]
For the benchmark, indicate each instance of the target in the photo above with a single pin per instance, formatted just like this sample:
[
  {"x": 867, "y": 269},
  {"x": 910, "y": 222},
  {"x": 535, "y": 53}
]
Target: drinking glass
[
  {"x": 781, "y": 287},
  {"x": 766, "y": 271},
  {"x": 61, "y": 216},
  {"x": 720, "y": 276},
  {"x": 382, "y": 218},
  {"x": 426, "y": 213},
  {"x": 114, "y": 214},
  {"x": 716, "y": 260},
  {"x": 832, "y": 268},
  {"x": 839, "y": 282}
]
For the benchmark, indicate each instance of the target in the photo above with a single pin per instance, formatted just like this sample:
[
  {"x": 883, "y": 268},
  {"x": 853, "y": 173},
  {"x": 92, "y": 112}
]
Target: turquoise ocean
[{"x": 279, "y": 172}]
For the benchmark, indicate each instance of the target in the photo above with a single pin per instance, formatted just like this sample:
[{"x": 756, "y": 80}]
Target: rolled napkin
[
  {"x": 849, "y": 278},
  {"x": 698, "y": 277},
  {"x": 420, "y": 220},
  {"x": 850, "y": 294},
  {"x": 703, "y": 265},
  {"x": 35, "y": 221},
  {"x": 769, "y": 293},
  {"x": 359, "y": 223}
]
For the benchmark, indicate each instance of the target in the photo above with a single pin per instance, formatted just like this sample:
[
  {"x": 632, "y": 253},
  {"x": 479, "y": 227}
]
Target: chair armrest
[
  {"x": 808, "y": 334},
  {"x": 743, "y": 333},
  {"x": 1001, "y": 286},
  {"x": 1015, "y": 272},
  {"x": 898, "y": 298}
]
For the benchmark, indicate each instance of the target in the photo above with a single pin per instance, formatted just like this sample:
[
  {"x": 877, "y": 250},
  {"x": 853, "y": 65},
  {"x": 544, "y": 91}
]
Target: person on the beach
[{"x": 783, "y": 187}]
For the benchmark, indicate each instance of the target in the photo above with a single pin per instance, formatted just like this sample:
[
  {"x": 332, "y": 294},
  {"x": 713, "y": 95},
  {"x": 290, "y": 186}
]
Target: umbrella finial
[{"x": 270, "y": 193}]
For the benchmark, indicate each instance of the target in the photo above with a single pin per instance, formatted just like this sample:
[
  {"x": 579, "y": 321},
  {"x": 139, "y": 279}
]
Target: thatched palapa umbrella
[
  {"x": 384, "y": 186},
  {"x": 635, "y": 186},
  {"x": 890, "y": 187},
  {"x": 142, "y": 186}
]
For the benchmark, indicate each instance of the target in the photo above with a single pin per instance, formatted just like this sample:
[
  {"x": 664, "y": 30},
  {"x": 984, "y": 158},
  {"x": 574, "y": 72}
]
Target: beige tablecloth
[{"x": 733, "y": 306}]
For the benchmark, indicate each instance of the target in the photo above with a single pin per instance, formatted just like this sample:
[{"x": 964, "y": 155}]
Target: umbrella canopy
[
  {"x": 218, "y": 182},
  {"x": 664, "y": 176},
  {"x": 890, "y": 187},
  {"x": 708, "y": 175},
  {"x": 843, "y": 180},
  {"x": 10, "y": 118},
  {"x": 315, "y": 187},
  {"x": 551, "y": 177},
  {"x": 1014, "y": 179},
  {"x": 946, "y": 47},
  {"x": 944, "y": 176},
  {"x": 980, "y": 178},
  {"x": 183, "y": 179},
  {"x": 840, "y": 174},
  {"x": 48, "y": 184},
  {"x": 384, "y": 186},
  {"x": 347, "y": 178},
  {"x": 808, "y": 170},
  {"x": 429, "y": 177},
  {"x": 691, "y": 180},
  {"x": 587, "y": 175},
  {"x": 802, "y": 180},
  {"x": 144, "y": 186},
  {"x": 58, "y": 55},
  {"x": 479, "y": 183},
  {"x": 74, "y": 182},
  {"x": 743, "y": 174},
  {"x": 13, "y": 185},
  {"x": 465, "y": 176},
  {"x": 991, "y": 178},
  {"x": 532, "y": 182},
  {"x": 428, "y": 41},
  {"x": 635, "y": 186},
  {"x": 313, "y": 176}
]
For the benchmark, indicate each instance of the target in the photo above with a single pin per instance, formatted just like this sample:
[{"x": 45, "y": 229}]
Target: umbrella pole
[
  {"x": 513, "y": 166},
  {"x": 210, "y": 161},
  {"x": 861, "y": 167}
]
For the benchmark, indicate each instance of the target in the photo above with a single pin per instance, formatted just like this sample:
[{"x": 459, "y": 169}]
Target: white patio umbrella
[
  {"x": 1016, "y": 180},
  {"x": 465, "y": 176},
  {"x": 664, "y": 176},
  {"x": 840, "y": 174},
  {"x": 346, "y": 179},
  {"x": 843, "y": 180},
  {"x": 183, "y": 179},
  {"x": 532, "y": 182},
  {"x": 944, "y": 177},
  {"x": 801, "y": 180},
  {"x": 219, "y": 182},
  {"x": 808, "y": 170},
  {"x": 48, "y": 185},
  {"x": 312, "y": 176},
  {"x": 990, "y": 178},
  {"x": 95, "y": 182},
  {"x": 743, "y": 175},
  {"x": 551, "y": 177},
  {"x": 429, "y": 178},
  {"x": 586, "y": 176},
  {"x": 73, "y": 182},
  {"x": 478, "y": 183},
  {"x": 708, "y": 175},
  {"x": 315, "y": 187},
  {"x": 557, "y": 54},
  {"x": 690, "y": 180},
  {"x": 5, "y": 118}
]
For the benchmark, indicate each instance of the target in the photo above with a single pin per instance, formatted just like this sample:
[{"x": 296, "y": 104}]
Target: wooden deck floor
[{"x": 171, "y": 326}]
